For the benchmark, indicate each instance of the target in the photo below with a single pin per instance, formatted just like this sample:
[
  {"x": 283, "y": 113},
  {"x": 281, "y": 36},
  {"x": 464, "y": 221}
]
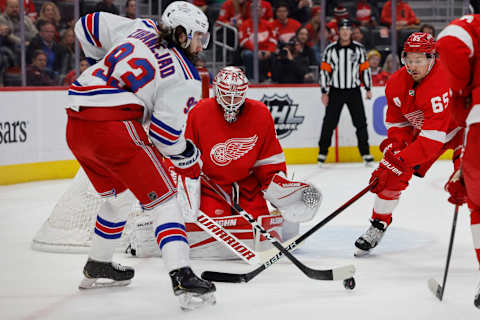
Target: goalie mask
[
  {"x": 191, "y": 18},
  {"x": 231, "y": 86},
  {"x": 418, "y": 54}
]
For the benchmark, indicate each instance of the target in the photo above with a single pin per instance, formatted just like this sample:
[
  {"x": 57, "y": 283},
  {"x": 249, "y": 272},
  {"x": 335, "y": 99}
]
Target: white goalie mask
[
  {"x": 231, "y": 86},
  {"x": 188, "y": 16}
]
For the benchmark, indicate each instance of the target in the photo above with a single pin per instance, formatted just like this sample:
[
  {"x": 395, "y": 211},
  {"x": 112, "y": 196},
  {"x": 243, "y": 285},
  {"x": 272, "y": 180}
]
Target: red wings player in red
[
  {"x": 420, "y": 129},
  {"x": 459, "y": 49}
]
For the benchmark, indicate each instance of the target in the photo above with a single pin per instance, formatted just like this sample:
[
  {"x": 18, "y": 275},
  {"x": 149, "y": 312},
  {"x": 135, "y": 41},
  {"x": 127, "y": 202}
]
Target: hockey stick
[
  {"x": 331, "y": 274},
  {"x": 433, "y": 285},
  {"x": 229, "y": 240}
]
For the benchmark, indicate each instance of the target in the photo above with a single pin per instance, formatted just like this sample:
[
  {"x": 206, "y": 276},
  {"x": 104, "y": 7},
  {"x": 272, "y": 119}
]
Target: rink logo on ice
[
  {"x": 284, "y": 114},
  {"x": 13, "y": 131}
]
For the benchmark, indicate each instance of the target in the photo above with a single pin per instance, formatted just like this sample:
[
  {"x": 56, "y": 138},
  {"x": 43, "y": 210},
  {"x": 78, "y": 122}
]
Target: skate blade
[
  {"x": 191, "y": 301},
  {"x": 96, "y": 283},
  {"x": 435, "y": 287},
  {"x": 361, "y": 253}
]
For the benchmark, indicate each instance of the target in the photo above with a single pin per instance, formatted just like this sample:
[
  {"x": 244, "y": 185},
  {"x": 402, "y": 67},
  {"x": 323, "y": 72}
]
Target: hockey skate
[
  {"x": 476, "y": 301},
  {"x": 105, "y": 274},
  {"x": 371, "y": 238},
  {"x": 193, "y": 292}
]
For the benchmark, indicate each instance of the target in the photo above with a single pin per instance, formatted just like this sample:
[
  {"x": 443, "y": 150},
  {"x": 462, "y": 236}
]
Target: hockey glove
[
  {"x": 297, "y": 201},
  {"x": 392, "y": 144},
  {"x": 188, "y": 163},
  {"x": 391, "y": 173},
  {"x": 456, "y": 187}
]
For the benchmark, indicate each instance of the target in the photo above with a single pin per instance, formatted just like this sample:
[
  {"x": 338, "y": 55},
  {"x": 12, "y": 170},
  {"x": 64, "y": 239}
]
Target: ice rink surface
[{"x": 391, "y": 283}]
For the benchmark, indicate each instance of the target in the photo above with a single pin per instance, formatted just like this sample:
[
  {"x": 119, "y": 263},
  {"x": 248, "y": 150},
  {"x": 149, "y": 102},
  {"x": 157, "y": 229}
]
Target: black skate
[
  {"x": 105, "y": 274},
  {"x": 193, "y": 291},
  {"x": 371, "y": 238},
  {"x": 476, "y": 301}
]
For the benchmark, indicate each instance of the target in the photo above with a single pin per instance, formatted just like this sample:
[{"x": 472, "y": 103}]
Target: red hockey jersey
[
  {"x": 417, "y": 114},
  {"x": 459, "y": 48},
  {"x": 246, "y": 151}
]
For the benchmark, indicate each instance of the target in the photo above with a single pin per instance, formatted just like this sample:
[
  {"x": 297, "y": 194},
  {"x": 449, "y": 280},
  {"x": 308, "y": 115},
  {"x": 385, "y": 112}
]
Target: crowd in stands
[{"x": 289, "y": 36}]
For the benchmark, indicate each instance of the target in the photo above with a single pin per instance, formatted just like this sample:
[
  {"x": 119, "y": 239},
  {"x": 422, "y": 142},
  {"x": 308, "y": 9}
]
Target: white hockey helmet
[
  {"x": 188, "y": 16},
  {"x": 231, "y": 86}
]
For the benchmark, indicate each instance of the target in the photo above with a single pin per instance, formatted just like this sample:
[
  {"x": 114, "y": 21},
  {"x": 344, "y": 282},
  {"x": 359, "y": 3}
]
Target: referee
[{"x": 344, "y": 64}]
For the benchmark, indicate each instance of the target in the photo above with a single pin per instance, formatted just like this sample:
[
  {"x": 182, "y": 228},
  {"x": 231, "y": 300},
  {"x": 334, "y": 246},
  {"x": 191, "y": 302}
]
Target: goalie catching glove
[
  {"x": 187, "y": 163},
  {"x": 297, "y": 201}
]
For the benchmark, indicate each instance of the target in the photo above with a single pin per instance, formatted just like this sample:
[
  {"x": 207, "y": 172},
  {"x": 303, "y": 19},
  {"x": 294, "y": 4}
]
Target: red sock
[{"x": 385, "y": 217}]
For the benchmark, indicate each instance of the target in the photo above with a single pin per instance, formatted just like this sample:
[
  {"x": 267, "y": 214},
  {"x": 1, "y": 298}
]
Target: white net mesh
[{"x": 70, "y": 226}]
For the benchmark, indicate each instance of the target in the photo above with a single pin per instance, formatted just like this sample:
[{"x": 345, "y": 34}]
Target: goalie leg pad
[{"x": 297, "y": 201}]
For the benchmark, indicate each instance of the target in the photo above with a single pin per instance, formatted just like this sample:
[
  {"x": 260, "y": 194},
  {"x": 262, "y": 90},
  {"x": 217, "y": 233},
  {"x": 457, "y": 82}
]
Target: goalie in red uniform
[
  {"x": 237, "y": 139},
  {"x": 459, "y": 49},
  {"x": 420, "y": 129}
]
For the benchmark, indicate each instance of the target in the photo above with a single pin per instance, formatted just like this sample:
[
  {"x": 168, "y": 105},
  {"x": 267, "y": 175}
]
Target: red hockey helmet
[
  {"x": 231, "y": 86},
  {"x": 420, "y": 43}
]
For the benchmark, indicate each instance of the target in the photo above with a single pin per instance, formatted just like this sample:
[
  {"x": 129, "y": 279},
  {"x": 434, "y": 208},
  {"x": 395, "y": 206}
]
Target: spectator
[
  {"x": 298, "y": 9},
  {"x": 37, "y": 74},
  {"x": 314, "y": 26},
  {"x": 293, "y": 61},
  {"x": 266, "y": 46},
  {"x": 131, "y": 9},
  {"x": 406, "y": 18},
  {"x": 366, "y": 14},
  {"x": 28, "y": 5},
  {"x": 67, "y": 51},
  {"x": 11, "y": 18},
  {"x": 388, "y": 64},
  {"x": 49, "y": 12},
  {"x": 428, "y": 28},
  {"x": 106, "y": 6},
  {"x": 284, "y": 28},
  {"x": 234, "y": 12},
  {"x": 379, "y": 76},
  {"x": 339, "y": 13},
  {"x": 45, "y": 40},
  {"x": 359, "y": 36},
  {"x": 72, "y": 75},
  {"x": 7, "y": 56}
]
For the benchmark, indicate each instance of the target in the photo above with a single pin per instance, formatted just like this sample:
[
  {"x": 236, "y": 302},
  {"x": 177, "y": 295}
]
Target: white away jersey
[
  {"x": 140, "y": 70},
  {"x": 98, "y": 32}
]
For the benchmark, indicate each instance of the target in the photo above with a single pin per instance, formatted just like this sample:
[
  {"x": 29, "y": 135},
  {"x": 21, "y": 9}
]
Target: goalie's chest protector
[{"x": 229, "y": 150}]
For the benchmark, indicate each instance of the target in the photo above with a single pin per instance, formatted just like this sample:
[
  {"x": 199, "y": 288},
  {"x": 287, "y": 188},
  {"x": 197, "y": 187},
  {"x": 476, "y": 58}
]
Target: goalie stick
[
  {"x": 340, "y": 273},
  {"x": 433, "y": 285}
]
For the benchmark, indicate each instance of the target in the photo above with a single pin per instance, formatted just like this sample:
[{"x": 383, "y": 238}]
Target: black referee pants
[{"x": 336, "y": 99}]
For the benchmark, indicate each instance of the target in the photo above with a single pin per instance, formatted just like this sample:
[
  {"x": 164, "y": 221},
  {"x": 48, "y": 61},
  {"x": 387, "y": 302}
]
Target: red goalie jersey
[
  {"x": 246, "y": 151},
  {"x": 417, "y": 114}
]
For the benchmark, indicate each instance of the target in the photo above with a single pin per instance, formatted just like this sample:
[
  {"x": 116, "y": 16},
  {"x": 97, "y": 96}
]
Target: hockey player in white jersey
[{"x": 143, "y": 74}]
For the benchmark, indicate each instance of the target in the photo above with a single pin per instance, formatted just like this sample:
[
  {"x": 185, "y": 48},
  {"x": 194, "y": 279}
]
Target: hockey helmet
[
  {"x": 419, "y": 42},
  {"x": 231, "y": 86},
  {"x": 188, "y": 16}
]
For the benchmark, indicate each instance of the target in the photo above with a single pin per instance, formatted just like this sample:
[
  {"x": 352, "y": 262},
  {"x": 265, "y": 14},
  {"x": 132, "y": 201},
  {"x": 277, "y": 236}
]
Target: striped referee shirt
[{"x": 342, "y": 67}]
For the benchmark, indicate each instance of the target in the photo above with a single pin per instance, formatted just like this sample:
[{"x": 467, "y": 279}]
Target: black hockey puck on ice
[{"x": 349, "y": 283}]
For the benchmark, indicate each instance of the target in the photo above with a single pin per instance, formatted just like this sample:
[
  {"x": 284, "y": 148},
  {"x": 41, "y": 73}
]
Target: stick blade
[
  {"x": 342, "y": 273},
  {"x": 223, "y": 277},
  {"x": 435, "y": 288}
]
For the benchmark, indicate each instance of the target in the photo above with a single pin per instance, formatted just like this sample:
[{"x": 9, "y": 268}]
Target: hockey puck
[{"x": 349, "y": 283}]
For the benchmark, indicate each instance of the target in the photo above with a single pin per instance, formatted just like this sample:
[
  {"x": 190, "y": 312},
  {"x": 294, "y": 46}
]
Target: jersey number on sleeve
[
  {"x": 132, "y": 82},
  {"x": 437, "y": 104}
]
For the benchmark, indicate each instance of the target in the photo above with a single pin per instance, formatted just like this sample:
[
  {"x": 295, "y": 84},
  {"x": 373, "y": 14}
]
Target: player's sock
[
  {"x": 171, "y": 236},
  {"x": 475, "y": 227},
  {"x": 109, "y": 226}
]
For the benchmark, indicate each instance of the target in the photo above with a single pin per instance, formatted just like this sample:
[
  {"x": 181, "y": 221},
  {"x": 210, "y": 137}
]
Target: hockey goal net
[{"x": 69, "y": 228}]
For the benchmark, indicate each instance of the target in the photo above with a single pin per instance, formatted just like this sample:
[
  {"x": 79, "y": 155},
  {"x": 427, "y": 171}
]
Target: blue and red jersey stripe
[
  {"x": 90, "y": 24},
  {"x": 162, "y": 132}
]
